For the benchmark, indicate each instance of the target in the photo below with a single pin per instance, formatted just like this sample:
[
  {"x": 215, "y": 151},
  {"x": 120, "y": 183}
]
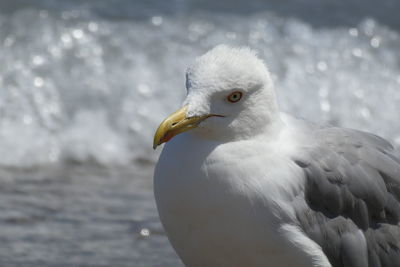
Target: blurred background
[{"x": 84, "y": 84}]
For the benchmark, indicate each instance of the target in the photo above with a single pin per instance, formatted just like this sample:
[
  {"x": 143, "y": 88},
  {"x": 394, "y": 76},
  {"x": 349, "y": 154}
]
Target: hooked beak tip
[{"x": 177, "y": 123}]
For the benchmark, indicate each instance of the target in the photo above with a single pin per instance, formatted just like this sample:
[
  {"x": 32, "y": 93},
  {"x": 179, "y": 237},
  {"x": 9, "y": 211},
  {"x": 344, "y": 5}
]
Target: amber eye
[{"x": 234, "y": 97}]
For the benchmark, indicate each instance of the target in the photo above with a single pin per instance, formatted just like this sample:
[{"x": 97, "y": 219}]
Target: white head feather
[{"x": 217, "y": 74}]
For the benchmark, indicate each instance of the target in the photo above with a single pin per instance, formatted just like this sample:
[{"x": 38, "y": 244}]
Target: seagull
[{"x": 240, "y": 183}]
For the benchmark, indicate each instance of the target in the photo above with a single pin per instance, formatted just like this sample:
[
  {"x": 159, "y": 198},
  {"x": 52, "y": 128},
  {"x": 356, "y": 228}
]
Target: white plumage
[{"x": 231, "y": 191}]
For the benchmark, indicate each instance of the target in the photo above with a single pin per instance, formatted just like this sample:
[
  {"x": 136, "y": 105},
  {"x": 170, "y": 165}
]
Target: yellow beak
[{"x": 177, "y": 123}]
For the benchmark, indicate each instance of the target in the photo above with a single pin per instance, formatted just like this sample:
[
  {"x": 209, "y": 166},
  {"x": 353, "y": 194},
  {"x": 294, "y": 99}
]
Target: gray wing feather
[{"x": 352, "y": 194}]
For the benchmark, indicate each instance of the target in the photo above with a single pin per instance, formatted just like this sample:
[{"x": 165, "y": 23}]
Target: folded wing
[{"x": 352, "y": 195}]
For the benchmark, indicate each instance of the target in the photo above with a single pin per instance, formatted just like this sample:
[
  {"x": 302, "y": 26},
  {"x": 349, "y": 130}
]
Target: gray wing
[{"x": 352, "y": 194}]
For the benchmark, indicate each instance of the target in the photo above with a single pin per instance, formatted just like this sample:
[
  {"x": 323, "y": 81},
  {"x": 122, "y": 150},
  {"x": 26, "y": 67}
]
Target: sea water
[{"x": 84, "y": 84}]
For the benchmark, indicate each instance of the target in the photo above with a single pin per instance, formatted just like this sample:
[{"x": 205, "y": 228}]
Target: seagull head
[{"x": 230, "y": 96}]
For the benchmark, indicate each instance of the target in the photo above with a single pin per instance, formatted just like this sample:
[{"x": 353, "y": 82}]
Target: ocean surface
[{"x": 84, "y": 84}]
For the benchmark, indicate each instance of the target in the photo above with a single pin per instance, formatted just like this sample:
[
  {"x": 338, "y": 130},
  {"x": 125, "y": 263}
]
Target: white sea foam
[{"x": 79, "y": 87}]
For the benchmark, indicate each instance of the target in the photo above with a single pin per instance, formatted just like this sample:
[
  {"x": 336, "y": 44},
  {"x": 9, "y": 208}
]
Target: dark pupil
[{"x": 234, "y": 97}]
